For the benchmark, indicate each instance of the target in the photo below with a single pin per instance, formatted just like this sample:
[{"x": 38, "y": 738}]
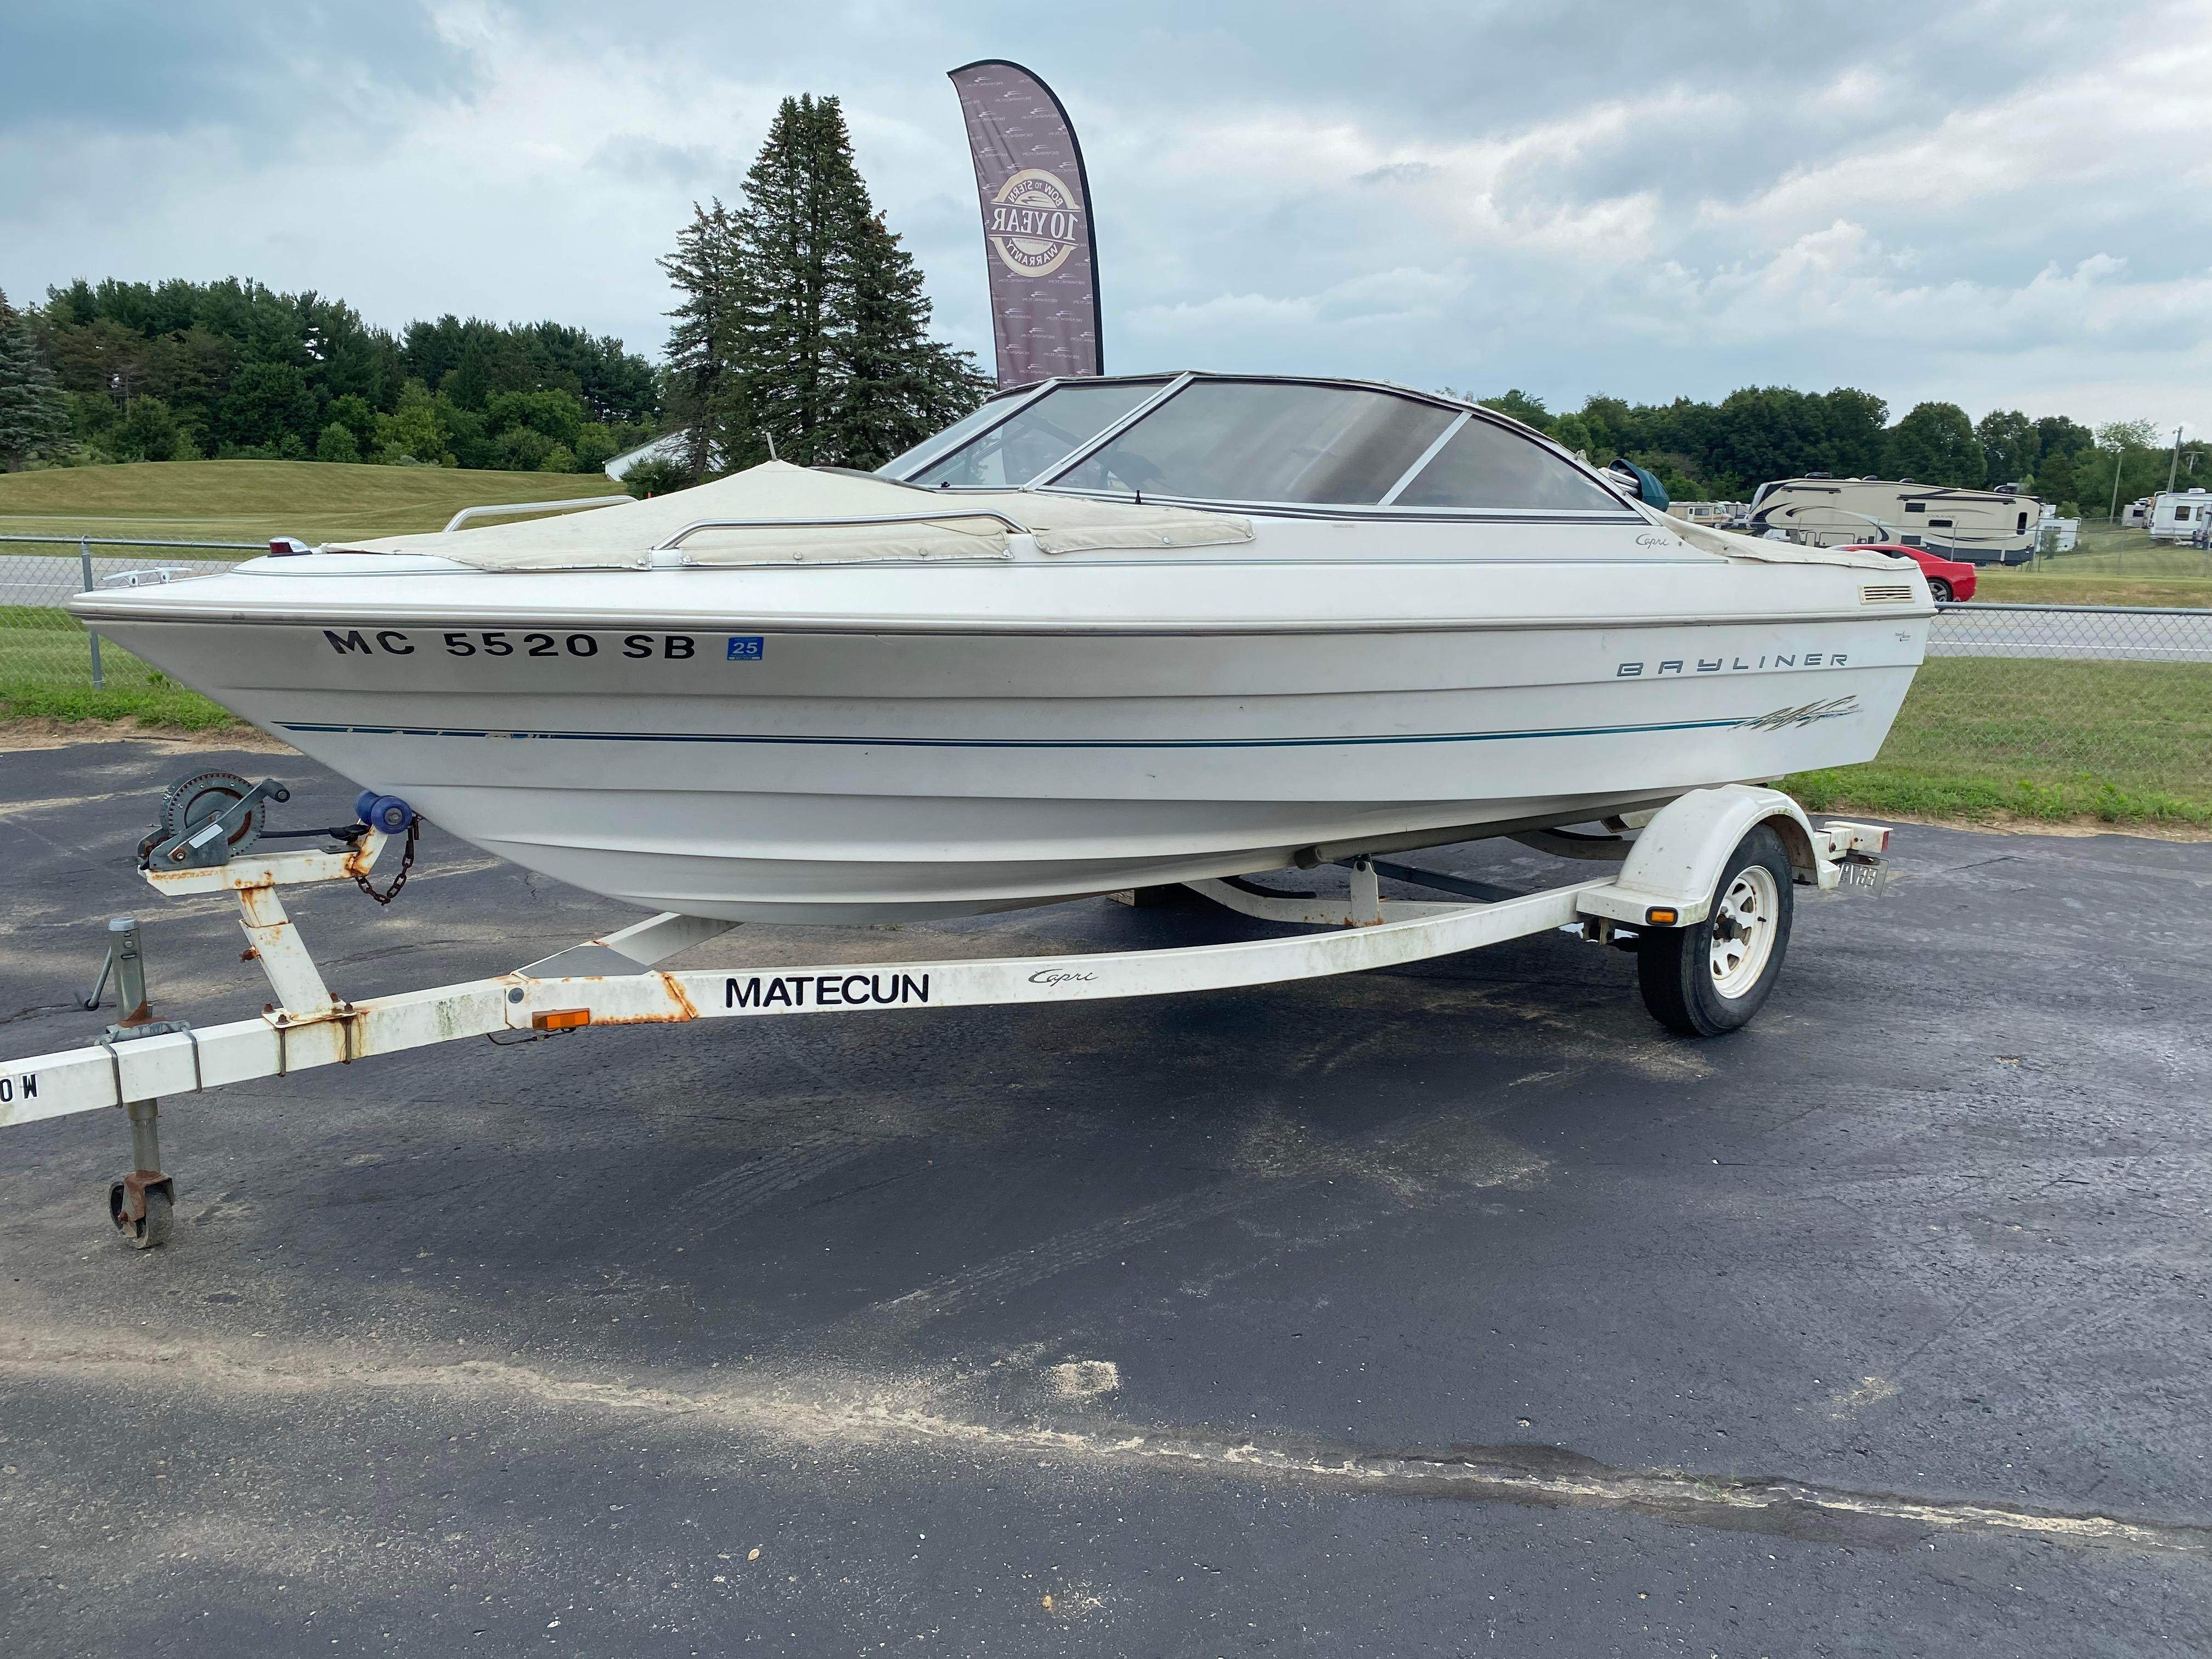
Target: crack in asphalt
[{"x": 811, "y": 1410}]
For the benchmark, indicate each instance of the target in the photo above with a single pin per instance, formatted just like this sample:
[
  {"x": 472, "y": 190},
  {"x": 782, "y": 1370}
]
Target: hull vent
[{"x": 1885, "y": 593}]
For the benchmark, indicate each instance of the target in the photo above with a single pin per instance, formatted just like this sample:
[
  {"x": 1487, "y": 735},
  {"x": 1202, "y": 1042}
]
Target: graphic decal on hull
[{"x": 1805, "y": 714}]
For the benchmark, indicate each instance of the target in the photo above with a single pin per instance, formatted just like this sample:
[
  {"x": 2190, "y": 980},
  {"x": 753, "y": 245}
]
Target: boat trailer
[{"x": 1670, "y": 888}]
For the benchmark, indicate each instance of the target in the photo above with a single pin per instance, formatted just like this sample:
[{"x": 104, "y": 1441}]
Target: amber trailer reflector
[
  {"x": 1659, "y": 916},
  {"x": 560, "y": 1019}
]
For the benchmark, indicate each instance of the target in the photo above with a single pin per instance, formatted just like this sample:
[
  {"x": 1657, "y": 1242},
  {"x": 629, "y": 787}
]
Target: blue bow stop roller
[{"x": 386, "y": 812}]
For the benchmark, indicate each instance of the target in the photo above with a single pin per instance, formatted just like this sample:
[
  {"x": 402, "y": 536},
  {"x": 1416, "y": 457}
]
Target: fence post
[{"x": 84, "y": 558}]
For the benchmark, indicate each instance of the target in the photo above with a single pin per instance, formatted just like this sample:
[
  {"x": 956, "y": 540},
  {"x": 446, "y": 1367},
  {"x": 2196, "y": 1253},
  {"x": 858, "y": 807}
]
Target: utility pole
[
  {"x": 2119, "y": 454},
  {"x": 2173, "y": 465}
]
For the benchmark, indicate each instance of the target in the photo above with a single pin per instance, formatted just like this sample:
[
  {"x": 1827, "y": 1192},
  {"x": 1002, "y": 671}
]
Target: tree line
[
  {"x": 1725, "y": 451},
  {"x": 182, "y": 370}
]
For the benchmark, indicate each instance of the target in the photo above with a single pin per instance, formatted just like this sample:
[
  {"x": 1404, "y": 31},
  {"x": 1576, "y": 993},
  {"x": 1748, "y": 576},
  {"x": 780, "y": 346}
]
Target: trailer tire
[
  {"x": 151, "y": 1233},
  {"x": 1712, "y": 977}
]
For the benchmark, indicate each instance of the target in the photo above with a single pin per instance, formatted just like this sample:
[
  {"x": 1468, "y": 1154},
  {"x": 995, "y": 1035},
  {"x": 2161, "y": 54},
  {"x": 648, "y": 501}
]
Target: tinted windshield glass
[
  {"x": 1064, "y": 419},
  {"x": 937, "y": 441},
  {"x": 1231, "y": 440},
  {"x": 1489, "y": 466}
]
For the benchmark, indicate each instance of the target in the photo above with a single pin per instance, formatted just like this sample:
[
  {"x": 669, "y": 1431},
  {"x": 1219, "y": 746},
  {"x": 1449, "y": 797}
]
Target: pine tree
[
  {"x": 34, "y": 416},
  {"x": 705, "y": 386},
  {"x": 802, "y": 197},
  {"x": 897, "y": 384},
  {"x": 804, "y": 327}
]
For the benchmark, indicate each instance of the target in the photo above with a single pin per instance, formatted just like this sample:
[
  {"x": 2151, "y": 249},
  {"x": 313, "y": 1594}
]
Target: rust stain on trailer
[
  {"x": 677, "y": 994},
  {"x": 683, "y": 1010}
]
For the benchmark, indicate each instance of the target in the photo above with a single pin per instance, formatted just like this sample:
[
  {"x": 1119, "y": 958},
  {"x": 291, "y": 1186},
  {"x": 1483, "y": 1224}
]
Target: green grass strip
[{"x": 1982, "y": 736}]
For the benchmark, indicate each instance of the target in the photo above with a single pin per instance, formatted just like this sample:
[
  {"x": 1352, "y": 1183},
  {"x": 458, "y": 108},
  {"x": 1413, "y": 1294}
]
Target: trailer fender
[{"x": 1676, "y": 861}]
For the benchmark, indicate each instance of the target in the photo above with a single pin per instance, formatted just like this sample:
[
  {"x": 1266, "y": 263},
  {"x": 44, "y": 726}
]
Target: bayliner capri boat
[{"x": 1102, "y": 633}]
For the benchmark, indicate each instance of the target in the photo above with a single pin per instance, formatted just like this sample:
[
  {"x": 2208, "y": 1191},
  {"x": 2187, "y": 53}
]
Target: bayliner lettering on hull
[
  {"x": 1629, "y": 671},
  {"x": 825, "y": 990}
]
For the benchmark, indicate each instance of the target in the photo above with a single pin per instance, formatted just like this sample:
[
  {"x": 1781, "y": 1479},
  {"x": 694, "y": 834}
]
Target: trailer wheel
[
  {"x": 150, "y": 1233},
  {"x": 1703, "y": 980}
]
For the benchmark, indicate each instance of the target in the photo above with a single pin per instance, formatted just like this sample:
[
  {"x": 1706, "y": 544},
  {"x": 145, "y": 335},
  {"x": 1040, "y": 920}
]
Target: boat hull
[{"x": 837, "y": 776}]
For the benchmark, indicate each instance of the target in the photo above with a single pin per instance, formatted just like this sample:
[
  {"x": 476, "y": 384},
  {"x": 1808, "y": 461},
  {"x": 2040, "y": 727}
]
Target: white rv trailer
[
  {"x": 2180, "y": 515},
  {"x": 1707, "y": 513},
  {"x": 1981, "y": 526}
]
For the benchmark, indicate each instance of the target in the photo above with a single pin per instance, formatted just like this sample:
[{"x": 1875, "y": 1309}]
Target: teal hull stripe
[{"x": 1018, "y": 742}]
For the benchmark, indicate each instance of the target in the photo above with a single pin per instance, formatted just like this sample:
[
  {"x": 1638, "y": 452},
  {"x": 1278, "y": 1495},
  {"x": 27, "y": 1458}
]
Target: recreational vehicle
[
  {"x": 1707, "y": 513},
  {"x": 1981, "y": 526},
  {"x": 2180, "y": 515}
]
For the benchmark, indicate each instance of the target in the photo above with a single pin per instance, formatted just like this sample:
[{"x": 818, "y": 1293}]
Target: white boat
[{"x": 1102, "y": 633}]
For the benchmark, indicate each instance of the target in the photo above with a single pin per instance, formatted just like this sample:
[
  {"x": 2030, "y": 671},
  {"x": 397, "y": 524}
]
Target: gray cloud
[
  {"x": 634, "y": 156},
  {"x": 1990, "y": 201},
  {"x": 124, "y": 66}
]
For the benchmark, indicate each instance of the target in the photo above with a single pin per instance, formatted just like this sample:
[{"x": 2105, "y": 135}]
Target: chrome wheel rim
[{"x": 1744, "y": 926}]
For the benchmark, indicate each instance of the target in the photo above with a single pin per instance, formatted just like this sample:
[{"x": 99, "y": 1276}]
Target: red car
[{"x": 1947, "y": 579}]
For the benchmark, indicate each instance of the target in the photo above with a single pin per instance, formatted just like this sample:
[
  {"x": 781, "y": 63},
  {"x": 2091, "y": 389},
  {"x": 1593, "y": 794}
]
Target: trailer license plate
[{"x": 1868, "y": 878}]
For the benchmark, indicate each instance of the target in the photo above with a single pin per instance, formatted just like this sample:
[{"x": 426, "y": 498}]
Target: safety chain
[{"x": 406, "y": 863}]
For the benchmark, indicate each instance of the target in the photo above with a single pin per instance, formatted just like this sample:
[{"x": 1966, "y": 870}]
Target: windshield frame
[{"x": 1382, "y": 510}]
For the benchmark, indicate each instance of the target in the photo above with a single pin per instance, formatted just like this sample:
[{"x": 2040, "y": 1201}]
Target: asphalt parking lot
[{"x": 1449, "y": 1310}]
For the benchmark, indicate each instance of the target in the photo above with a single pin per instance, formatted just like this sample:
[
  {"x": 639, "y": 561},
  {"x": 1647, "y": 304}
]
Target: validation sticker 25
[{"x": 747, "y": 647}]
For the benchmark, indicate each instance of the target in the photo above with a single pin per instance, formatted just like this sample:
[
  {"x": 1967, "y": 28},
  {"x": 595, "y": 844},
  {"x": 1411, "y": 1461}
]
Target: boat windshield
[
  {"x": 1495, "y": 468},
  {"x": 1259, "y": 441},
  {"x": 1252, "y": 442},
  {"x": 939, "y": 443},
  {"x": 1012, "y": 453}
]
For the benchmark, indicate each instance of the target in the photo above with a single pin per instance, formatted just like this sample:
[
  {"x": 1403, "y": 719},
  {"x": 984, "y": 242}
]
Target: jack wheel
[
  {"x": 153, "y": 1231},
  {"x": 1712, "y": 977}
]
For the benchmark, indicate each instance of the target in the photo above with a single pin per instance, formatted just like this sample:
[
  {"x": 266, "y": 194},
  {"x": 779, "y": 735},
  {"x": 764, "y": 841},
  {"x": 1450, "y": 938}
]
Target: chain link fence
[
  {"x": 46, "y": 654},
  {"x": 2114, "y": 547},
  {"x": 2049, "y": 711}
]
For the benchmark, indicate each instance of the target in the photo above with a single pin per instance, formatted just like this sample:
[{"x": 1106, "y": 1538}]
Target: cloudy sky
[{"x": 2003, "y": 204}]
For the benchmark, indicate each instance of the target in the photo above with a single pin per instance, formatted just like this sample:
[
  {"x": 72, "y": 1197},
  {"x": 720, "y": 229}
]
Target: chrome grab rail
[
  {"x": 697, "y": 525},
  {"x": 468, "y": 513}
]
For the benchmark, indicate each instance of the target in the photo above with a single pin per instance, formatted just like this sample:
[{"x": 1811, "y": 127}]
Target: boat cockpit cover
[
  {"x": 624, "y": 537},
  {"x": 1707, "y": 538}
]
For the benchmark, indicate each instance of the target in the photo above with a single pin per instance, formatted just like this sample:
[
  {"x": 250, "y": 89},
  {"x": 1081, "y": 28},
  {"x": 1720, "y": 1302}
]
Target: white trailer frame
[{"x": 1667, "y": 878}]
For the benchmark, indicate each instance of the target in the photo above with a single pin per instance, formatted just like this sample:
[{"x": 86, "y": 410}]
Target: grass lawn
[
  {"x": 2059, "y": 585},
  {"x": 44, "y": 670},
  {"x": 2107, "y": 551},
  {"x": 254, "y": 500},
  {"x": 2124, "y": 742}
]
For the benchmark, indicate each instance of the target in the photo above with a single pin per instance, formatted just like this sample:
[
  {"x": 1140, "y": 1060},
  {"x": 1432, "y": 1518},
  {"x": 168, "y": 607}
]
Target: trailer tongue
[{"x": 1703, "y": 896}]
